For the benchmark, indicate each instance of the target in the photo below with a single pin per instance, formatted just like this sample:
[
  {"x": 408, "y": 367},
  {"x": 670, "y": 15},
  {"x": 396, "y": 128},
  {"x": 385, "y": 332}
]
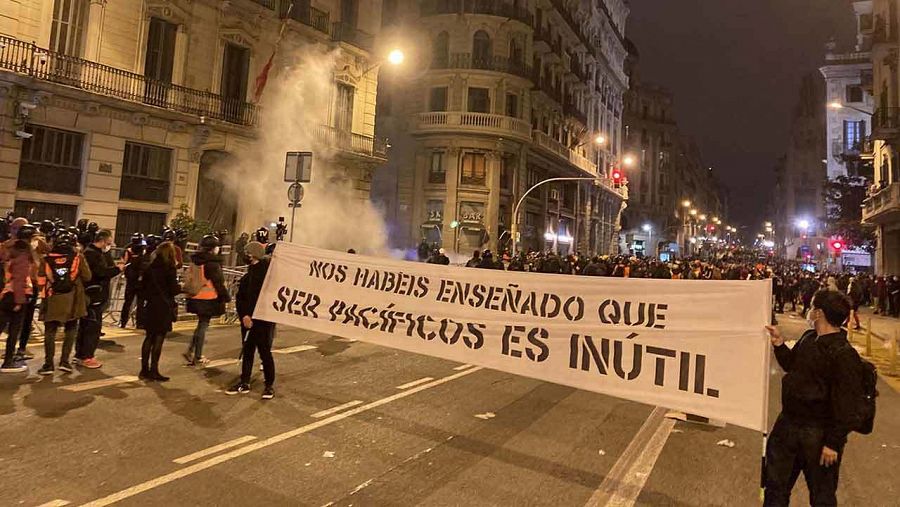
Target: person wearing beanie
[{"x": 257, "y": 334}]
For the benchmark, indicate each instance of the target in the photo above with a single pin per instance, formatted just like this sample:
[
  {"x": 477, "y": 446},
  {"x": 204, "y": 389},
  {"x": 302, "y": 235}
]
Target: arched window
[
  {"x": 515, "y": 53},
  {"x": 482, "y": 52},
  {"x": 440, "y": 51}
]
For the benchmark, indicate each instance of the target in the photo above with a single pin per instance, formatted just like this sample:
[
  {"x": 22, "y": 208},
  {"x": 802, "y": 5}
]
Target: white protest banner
[{"x": 694, "y": 346}]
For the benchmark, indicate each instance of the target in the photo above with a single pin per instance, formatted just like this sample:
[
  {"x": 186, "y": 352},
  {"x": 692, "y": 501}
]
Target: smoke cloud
[{"x": 294, "y": 106}]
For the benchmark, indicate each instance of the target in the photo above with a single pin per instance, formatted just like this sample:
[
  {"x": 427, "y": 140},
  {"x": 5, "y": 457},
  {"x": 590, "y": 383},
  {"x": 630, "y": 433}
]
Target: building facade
[
  {"x": 668, "y": 179},
  {"x": 502, "y": 96},
  {"x": 882, "y": 207},
  {"x": 120, "y": 111}
]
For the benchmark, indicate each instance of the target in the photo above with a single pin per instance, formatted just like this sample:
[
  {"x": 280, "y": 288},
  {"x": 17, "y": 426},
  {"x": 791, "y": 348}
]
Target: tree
[
  {"x": 196, "y": 229},
  {"x": 844, "y": 197}
]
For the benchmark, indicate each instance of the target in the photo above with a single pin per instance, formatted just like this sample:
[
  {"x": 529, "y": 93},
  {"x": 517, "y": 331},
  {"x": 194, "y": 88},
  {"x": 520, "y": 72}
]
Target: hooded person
[
  {"x": 207, "y": 294},
  {"x": 257, "y": 334},
  {"x": 18, "y": 286}
]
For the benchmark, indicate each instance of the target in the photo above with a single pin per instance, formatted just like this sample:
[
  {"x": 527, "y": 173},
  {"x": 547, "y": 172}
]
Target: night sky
[{"x": 735, "y": 67}]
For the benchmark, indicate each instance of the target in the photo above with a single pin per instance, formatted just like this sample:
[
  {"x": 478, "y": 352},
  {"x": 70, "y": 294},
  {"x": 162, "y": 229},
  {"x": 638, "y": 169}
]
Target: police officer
[{"x": 133, "y": 259}]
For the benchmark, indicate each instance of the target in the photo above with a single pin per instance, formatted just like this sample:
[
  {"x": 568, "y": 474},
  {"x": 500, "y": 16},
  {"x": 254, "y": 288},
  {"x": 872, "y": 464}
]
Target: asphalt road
[{"x": 357, "y": 424}]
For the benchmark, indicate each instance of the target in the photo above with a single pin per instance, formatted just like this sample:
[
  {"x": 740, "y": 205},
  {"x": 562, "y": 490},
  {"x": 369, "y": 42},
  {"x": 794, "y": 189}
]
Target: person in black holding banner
[
  {"x": 821, "y": 394},
  {"x": 258, "y": 334}
]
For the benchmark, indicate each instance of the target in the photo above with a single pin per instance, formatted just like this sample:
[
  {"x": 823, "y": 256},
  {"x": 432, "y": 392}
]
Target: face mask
[
  {"x": 107, "y": 248},
  {"x": 34, "y": 243},
  {"x": 810, "y": 321},
  {"x": 215, "y": 251}
]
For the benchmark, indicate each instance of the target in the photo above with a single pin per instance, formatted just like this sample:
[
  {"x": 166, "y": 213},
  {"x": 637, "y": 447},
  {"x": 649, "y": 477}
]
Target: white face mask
[
  {"x": 215, "y": 251},
  {"x": 107, "y": 248},
  {"x": 810, "y": 321},
  {"x": 34, "y": 243}
]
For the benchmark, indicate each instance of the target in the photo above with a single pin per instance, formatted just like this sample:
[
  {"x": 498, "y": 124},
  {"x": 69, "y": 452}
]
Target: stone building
[
  {"x": 504, "y": 95},
  {"x": 118, "y": 111},
  {"x": 667, "y": 180},
  {"x": 882, "y": 207}
]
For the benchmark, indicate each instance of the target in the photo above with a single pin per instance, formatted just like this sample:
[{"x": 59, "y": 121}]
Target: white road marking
[
  {"x": 291, "y": 350},
  {"x": 55, "y": 503},
  {"x": 214, "y": 449},
  {"x": 247, "y": 449},
  {"x": 625, "y": 480},
  {"x": 415, "y": 383},
  {"x": 220, "y": 362},
  {"x": 463, "y": 367},
  {"x": 336, "y": 409},
  {"x": 97, "y": 384}
]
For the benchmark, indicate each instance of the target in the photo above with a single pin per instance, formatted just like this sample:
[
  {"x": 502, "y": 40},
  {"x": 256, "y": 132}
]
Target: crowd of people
[{"x": 62, "y": 274}]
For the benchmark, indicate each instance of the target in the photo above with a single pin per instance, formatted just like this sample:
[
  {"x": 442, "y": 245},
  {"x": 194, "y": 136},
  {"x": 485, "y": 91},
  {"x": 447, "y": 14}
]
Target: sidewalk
[{"x": 879, "y": 344}]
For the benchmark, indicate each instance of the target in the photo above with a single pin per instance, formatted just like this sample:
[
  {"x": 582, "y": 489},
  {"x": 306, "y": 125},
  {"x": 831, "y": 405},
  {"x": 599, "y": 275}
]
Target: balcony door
[
  {"x": 67, "y": 33},
  {"x": 342, "y": 109},
  {"x": 235, "y": 68},
  {"x": 159, "y": 61}
]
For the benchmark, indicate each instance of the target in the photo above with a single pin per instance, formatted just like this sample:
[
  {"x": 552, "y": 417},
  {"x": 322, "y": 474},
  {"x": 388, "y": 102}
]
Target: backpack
[
  {"x": 194, "y": 281},
  {"x": 865, "y": 373},
  {"x": 62, "y": 271}
]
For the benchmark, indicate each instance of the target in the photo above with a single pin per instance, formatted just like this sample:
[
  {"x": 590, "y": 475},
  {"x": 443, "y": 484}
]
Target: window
[
  {"x": 438, "y": 99},
  {"x": 512, "y": 105},
  {"x": 474, "y": 169},
  {"x": 388, "y": 12},
  {"x": 516, "y": 57},
  {"x": 482, "y": 52},
  {"x": 130, "y": 222},
  {"x": 68, "y": 27},
  {"x": 235, "y": 67},
  {"x": 342, "y": 115},
  {"x": 159, "y": 61},
  {"x": 854, "y": 132},
  {"x": 479, "y": 100},
  {"x": 434, "y": 210},
  {"x": 437, "y": 173},
  {"x": 507, "y": 172},
  {"x": 440, "y": 51},
  {"x": 349, "y": 11},
  {"x": 854, "y": 93},
  {"x": 145, "y": 173},
  {"x": 51, "y": 161},
  {"x": 36, "y": 211}
]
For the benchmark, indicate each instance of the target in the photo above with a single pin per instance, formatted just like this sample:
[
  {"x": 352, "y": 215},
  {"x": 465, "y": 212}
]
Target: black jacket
[
  {"x": 158, "y": 290},
  {"x": 249, "y": 288},
  {"x": 820, "y": 386},
  {"x": 103, "y": 269}
]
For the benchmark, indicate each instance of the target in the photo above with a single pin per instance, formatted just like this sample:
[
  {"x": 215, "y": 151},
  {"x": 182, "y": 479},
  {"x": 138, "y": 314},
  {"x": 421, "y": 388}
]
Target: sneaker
[
  {"x": 189, "y": 359},
  {"x": 91, "y": 363},
  {"x": 24, "y": 354},
  {"x": 261, "y": 367},
  {"x": 239, "y": 388},
  {"x": 65, "y": 366},
  {"x": 76, "y": 361},
  {"x": 47, "y": 369},
  {"x": 158, "y": 377},
  {"x": 17, "y": 367},
  {"x": 268, "y": 393},
  {"x": 203, "y": 361}
]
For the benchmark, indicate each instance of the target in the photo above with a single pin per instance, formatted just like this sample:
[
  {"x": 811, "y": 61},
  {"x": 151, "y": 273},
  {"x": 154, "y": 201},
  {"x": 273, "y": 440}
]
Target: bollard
[{"x": 869, "y": 338}]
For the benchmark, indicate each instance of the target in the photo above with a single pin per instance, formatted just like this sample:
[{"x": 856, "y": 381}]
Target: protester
[
  {"x": 819, "y": 390},
  {"x": 210, "y": 299},
  {"x": 66, "y": 272},
  {"x": 159, "y": 286},
  {"x": 18, "y": 287},
  {"x": 475, "y": 260},
  {"x": 39, "y": 248},
  {"x": 102, "y": 269},
  {"x": 257, "y": 334}
]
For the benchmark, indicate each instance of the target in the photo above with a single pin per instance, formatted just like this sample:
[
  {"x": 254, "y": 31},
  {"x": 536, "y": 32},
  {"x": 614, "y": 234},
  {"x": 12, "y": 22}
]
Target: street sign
[
  {"x": 295, "y": 193},
  {"x": 298, "y": 167}
]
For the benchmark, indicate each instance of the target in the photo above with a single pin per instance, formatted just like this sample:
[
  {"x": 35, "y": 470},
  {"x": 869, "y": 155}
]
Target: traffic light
[
  {"x": 617, "y": 177},
  {"x": 837, "y": 245}
]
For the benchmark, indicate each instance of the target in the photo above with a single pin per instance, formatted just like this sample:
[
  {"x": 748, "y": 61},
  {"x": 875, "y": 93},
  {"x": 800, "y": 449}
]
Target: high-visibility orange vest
[{"x": 208, "y": 292}]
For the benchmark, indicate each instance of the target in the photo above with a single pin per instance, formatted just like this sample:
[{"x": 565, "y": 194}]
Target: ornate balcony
[
  {"x": 492, "y": 63},
  {"x": 341, "y": 32},
  {"x": 309, "y": 16},
  {"x": 28, "y": 59},
  {"x": 883, "y": 205},
  {"x": 497, "y": 8},
  {"x": 474, "y": 123},
  {"x": 886, "y": 123},
  {"x": 352, "y": 143},
  {"x": 555, "y": 147}
]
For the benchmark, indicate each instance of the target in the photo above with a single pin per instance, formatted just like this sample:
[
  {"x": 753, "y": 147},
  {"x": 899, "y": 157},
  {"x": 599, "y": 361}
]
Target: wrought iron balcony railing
[
  {"x": 353, "y": 143},
  {"x": 478, "y": 62},
  {"x": 885, "y": 122},
  {"x": 489, "y": 7},
  {"x": 39, "y": 63},
  {"x": 309, "y": 16},
  {"x": 343, "y": 32}
]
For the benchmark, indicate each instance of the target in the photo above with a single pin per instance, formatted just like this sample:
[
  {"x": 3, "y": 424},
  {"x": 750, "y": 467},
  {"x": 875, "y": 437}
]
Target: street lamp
[
  {"x": 836, "y": 105},
  {"x": 693, "y": 212},
  {"x": 703, "y": 217},
  {"x": 649, "y": 230},
  {"x": 600, "y": 140},
  {"x": 686, "y": 203},
  {"x": 628, "y": 160},
  {"x": 395, "y": 57}
]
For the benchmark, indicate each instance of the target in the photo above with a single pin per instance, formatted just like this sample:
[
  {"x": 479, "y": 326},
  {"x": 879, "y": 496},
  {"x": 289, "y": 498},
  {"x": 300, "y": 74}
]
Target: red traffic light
[
  {"x": 617, "y": 175},
  {"x": 837, "y": 245}
]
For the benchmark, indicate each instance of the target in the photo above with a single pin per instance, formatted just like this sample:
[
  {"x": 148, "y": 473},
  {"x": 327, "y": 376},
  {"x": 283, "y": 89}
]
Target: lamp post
[
  {"x": 649, "y": 230},
  {"x": 515, "y": 220},
  {"x": 837, "y": 105}
]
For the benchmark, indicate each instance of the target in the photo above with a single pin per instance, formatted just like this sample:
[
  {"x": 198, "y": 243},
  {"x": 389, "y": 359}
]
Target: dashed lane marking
[
  {"x": 214, "y": 449},
  {"x": 291, "y": 350},
  {"x": 255, "y": 446},
  {"x": 463, "y": 367},
  {"x": 97, "y": 384},
  {"x": 334, "y": 410},
  {"x": 415, "y": 383}
]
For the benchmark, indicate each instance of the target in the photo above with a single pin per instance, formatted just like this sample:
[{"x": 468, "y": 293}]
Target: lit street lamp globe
[{"x": 395, "y": 57}]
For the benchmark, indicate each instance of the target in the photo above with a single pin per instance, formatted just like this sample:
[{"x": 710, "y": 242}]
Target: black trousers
[
  {"x": 11, "y": 322},
  {"x": 151, "y": 349},
  {"x": 27, "y": 321},
  {"x": 131, "y": 294},
  {"x": 50, "y": 328},
  {"x": 258, "y": 339},
  {"x": 793, "y": 448},
  {"x": 89, "y": 332}
]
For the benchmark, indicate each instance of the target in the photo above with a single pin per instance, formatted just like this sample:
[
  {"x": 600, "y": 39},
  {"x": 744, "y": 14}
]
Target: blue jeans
[{"x": 199, "y": 337}]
